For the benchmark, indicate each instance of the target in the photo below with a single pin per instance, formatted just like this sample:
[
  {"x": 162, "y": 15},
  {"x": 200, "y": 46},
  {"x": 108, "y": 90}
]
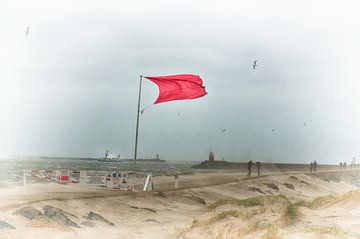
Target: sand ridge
[{"x": 221, "y": 204}]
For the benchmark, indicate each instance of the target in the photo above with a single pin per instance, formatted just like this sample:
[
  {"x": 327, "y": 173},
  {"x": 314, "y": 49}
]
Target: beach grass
[
  {"x": 334, "y": 231},
  {"x": 252, "y": 202},
  {"x": 332, "y": 199},
  {"x": 291, "y": 213}
]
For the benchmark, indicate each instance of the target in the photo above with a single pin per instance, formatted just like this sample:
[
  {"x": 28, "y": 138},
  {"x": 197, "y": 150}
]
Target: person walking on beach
[
  {"x": 344, "y": 166},
  {"x": 315, "y": 166},
  {"x": 311, "y": 167},
  {"x": 258, "y": 168},
  {"x": 341, "y": 168},
  {"x": 249, "y": 168}
]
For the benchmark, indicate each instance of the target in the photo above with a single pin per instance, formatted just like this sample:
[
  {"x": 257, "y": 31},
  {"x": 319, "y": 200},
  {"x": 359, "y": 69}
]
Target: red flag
[{"x": 178, "y": 87}]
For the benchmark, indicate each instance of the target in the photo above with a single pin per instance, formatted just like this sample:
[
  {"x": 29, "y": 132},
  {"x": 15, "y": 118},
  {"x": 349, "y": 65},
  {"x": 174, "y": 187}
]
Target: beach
[
  {"x": 179, "y": 119},
  {"x": 208, "y": 204}
]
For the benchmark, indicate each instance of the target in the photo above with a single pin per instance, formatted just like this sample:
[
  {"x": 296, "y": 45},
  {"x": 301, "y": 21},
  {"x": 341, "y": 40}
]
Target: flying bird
[
  {"x": 27, "y": 31},
  {"x": 223, "y": 130},
  {"x": 273, "y": 130},
  {"x": 255, "y": 65}
]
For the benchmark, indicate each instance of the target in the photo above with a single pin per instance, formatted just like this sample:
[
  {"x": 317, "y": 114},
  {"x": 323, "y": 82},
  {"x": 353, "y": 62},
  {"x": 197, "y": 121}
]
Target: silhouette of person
[
  {"x": 315, "y": 166},
  {"x": 341, "y": 167},
  {"x": 249, "y": 168},
  {"x": 311, "y": 167},
  {"x": 344, "y": 165},
  {"x": 258, "y": 168}
]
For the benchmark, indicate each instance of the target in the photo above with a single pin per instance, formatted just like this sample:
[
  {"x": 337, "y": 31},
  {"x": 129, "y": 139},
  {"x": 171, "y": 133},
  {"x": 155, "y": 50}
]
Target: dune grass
[
  {"x": 252, "y": 202},
  {"x": 332, "y": 199},
  {"x": 250, "y": 211},
  {"x": 321, "y": 201},
  {"x": 224, "y": 215},
  {"x": 334, "y": 231},
  {"x": 291, "y": 212},
  {"x": 272, "y": 233},
  {"x": 218, "y": 217},
  {"x": 248, "y": 202}
]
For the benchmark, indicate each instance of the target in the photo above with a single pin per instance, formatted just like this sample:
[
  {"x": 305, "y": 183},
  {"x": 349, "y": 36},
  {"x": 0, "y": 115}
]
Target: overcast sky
[{"x": 70, "y": 87}]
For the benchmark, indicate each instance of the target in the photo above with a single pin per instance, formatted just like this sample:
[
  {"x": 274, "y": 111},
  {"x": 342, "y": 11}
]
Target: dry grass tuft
[
  {"x": 272, "y": 233},
  {"x": 223, "y": 215},
  {"x": 248, "y": 202},
  {"x": 291, "y": 214},
  {"x": 322, "y": 201},
  {"x": 218, "y": 217},
  {"x": 252, "y": 202},
  {"x": 331, "y": 199},
  {"x": 334, "y": 231}
]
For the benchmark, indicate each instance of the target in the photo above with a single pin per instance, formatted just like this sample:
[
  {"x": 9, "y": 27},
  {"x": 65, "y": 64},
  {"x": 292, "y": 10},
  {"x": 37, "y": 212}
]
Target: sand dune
[{"x": 210, "y": 204}]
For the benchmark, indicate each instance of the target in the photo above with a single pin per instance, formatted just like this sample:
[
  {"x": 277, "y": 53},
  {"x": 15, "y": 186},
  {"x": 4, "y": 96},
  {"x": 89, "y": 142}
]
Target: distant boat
[{"x": 110, "y": 158}]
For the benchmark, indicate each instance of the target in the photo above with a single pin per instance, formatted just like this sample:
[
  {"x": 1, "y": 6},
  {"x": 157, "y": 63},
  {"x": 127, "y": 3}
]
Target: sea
[{"x": 11, "y": 170}]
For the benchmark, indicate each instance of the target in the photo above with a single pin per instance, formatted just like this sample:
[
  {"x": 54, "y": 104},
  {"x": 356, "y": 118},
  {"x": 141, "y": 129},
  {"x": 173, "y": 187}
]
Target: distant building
[{"x": 211, "y": 156}]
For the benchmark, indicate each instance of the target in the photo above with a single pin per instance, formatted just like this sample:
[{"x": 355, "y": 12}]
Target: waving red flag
[{"x": 178, "y": 87}]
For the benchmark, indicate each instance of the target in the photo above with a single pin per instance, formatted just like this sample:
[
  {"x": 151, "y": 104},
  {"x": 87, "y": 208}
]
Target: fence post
[{"x": 148, "y": 186}]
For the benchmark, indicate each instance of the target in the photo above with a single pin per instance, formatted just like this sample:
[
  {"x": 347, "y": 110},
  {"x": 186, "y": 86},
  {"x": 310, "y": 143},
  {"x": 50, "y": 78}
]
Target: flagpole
[{"x": 137, "y": 124}]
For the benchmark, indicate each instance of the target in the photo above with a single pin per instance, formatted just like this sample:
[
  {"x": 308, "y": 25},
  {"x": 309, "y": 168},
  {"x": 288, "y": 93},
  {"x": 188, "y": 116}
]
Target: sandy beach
[
  {"x": 128, "y": 119},
  {"x": 209, "y": 204}
]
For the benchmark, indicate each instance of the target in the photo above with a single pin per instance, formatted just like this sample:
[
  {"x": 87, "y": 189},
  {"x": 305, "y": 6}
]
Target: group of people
[
  {"x": 353, "y": 165},
  {"x": 343, "y": 166},
  {"x": 249, "y": 165},
  {"x": 313, "y": 166}
]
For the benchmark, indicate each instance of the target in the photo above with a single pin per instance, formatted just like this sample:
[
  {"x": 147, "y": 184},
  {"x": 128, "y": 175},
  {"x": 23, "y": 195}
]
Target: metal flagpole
[{"x": 137, "y": 124}]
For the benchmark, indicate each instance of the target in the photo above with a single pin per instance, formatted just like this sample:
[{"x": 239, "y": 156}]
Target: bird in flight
[
  {"x": 223, "y": 130},
  {"x": 255, "y": 64},
  {"x": 27, "y": 31},
  {"x": 273, "y": 130}
]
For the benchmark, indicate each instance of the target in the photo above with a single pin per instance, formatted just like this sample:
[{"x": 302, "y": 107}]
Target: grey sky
[{"x": 69, "y": 88}]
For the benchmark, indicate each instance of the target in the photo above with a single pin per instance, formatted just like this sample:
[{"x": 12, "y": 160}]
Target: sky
[{"x": 70, "y": 87}]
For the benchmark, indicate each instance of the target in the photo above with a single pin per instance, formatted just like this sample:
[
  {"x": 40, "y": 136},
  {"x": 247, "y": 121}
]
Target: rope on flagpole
[{"x": 147, "y": 107}]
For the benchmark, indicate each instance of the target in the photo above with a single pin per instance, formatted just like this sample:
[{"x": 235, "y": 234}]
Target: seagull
[
  {"x": 223, "y": 130},
  {"x": 273, "y": 130},
  {"x": 255, "y": 65},
  {"x": 27, "y": 31}
]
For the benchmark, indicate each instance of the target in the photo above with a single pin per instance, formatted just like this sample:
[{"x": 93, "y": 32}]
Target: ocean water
[{"x": 11, "y": 170}]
